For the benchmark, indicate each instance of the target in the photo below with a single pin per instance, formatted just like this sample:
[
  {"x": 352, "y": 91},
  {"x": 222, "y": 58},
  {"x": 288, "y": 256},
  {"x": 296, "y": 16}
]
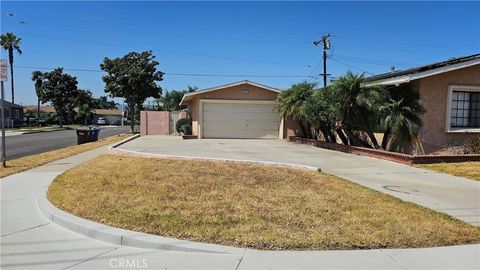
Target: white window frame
[{"x": 463, "y": 88}]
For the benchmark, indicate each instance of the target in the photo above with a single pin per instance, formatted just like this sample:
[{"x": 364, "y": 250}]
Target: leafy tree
[
  {"x": 103, "y": 103},
  {"x": 85, "y": 104},
  {"x": 400, "y": 118},
  {"x": 11, "y": 43},
  {"x": 170, "y": 100},
  {"x": 37, "y": 77},
  {"x": 133, "y": 77},
  {"x": 321, "y": 111},
  {"x": 291, "y": 101},
  {"x": 60, "y": 89}
]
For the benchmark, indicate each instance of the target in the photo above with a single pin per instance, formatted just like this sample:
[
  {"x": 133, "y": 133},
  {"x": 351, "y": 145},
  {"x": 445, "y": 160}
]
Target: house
[
  {"x": 13, "y": 114},
  {"x": 113, "y": 116},
  {"x": 238, "y": 110},
  {"x": 450, "y": 93}
]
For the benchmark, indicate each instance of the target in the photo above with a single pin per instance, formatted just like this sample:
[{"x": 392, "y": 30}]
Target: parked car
[{"x": 102, "y": 121}]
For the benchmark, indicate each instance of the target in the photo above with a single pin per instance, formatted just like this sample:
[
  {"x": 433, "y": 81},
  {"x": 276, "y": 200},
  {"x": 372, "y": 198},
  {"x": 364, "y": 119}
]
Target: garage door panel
[
  {"x": 223, "y": 116},
  {"x": 239, "y": 120},
  {"x": 247, "y": 125}
]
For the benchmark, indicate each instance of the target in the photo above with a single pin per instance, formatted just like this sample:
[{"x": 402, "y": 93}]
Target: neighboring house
[
  {"x": 13, "y": 114},
  {"x": 238, "y": 110},
  {"x": 43, "y": 109},
  {"x": 113, "y": 116},
  {"x": 450, "y": 93}
]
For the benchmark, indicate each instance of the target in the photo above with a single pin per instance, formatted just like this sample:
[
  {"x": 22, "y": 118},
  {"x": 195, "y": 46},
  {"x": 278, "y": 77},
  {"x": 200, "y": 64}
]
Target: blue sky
[{"x": 250, "y": 38}]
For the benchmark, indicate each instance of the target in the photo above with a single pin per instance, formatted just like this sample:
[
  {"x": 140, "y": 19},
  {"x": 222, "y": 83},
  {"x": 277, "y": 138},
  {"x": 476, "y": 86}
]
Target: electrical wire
[{"x": 173, "y": 73}]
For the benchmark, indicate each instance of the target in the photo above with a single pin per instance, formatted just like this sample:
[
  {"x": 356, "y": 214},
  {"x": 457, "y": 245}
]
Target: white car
[{"x": 102, "y": 121}]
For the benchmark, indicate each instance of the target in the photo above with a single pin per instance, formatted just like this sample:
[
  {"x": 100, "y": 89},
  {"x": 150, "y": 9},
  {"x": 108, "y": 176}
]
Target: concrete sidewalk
[
  {"x": 455, "y": 196},
  {"x": 30, "y": 240}
]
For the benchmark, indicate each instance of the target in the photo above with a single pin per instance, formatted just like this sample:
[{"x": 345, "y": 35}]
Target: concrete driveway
[{"x": 455, "y": 196}]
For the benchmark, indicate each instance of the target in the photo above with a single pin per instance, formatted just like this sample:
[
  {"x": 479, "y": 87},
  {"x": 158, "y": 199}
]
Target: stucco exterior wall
[
  {"x": 433, "y": 95},
  {"x": 236, "y": 93},
  {"x": 154, "y": 123}
]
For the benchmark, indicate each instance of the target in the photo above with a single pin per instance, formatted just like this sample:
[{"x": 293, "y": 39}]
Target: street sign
[{"x": 3, "y": 70}]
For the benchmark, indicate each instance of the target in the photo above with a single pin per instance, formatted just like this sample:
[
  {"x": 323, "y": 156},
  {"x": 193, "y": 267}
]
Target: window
[
  {"x": 16, "y": 113},
  {"x": 464, "y": 108}
]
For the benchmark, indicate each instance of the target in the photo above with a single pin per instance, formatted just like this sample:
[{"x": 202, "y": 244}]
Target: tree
[
  {"x": 291, "y": 101},
  {"x": 103, "y": 103},
  {"x": 170, "y": 100},
  {"x": 60, "y": 90},
  {"x": 85, "y": 104},
  {"x": 37, "y": 77},
  {"x": 321, "y": 111},
  {"x": 133, "y": 77},
  {"x": 11, "y": 43},
  {"x": 400, "y": 118},
  {"x": 358, "y": 109}
]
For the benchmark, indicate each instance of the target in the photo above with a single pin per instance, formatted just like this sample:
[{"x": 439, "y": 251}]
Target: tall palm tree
[
  {"x": 37, "y": 78},
  {"x": 11, "y": 43}
]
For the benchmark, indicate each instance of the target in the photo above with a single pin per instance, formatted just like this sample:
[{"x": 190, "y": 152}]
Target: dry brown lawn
[
  {"x": 28, "y": 162},
  {"x": 470, "y": 170},
  {"x": 249, "y": 206}
]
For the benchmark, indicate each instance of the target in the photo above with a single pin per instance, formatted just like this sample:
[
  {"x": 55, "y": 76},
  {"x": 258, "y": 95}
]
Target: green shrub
[{"x": 182, "y": 122}]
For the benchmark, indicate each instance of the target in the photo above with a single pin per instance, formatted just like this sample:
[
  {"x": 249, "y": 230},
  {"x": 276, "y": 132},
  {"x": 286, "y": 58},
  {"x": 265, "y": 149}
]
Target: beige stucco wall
[
  {"x": 231, "y": 93},
  {"x": 433, "y": 95}
]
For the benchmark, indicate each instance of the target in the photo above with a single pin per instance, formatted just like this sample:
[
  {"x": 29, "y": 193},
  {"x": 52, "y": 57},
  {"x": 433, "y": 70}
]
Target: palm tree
[
  {"x": 11, "y": 43},
  {"x": 401, "y": 119},
  {"x": 359, "y": 108},
  {"x": 291, "y": 101},
  {"x": 37, "y": 78}
]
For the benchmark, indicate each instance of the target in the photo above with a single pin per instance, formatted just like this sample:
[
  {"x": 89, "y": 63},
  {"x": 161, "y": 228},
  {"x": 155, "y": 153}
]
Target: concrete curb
[
  {"x": 123, "y": 152},
  {"x": 123, "y": 141},
  {"x": 124, "y": 237}
]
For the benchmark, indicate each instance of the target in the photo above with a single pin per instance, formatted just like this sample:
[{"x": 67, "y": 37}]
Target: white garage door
[{"x": 239, "y": 120}]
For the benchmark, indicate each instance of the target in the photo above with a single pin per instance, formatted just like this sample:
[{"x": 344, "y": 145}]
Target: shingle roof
[
  {"x": 407, "y": 75},
  {"x": 10, "y": 105}
]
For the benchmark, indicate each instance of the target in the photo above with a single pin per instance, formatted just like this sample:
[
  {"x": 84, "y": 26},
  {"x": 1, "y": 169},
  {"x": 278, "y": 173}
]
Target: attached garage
[
  {"x": 239, "y": 119},
  {"x": 241, "y": 110}
]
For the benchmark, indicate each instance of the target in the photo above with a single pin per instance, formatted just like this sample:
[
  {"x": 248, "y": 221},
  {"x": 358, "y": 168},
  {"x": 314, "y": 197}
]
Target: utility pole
[
  {"x": 3, "y": 78},
  {"x": 325, "y": 40}
]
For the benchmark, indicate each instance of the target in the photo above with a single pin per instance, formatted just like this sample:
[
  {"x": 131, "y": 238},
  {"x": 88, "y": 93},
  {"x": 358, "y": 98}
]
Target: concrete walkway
[
  {"x": 455, "y": 196},
  {"x": 30, "y": 240}
]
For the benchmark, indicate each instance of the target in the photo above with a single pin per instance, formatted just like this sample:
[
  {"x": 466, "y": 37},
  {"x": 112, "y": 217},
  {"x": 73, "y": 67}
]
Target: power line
[
  {"x": 174, "y": 73},
  {"x": 168, "y": 51},
  {"x": 351, "y": 66}
]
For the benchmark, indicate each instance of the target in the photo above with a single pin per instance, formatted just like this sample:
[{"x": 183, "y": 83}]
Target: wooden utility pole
[{"x": 325, "y": 41}]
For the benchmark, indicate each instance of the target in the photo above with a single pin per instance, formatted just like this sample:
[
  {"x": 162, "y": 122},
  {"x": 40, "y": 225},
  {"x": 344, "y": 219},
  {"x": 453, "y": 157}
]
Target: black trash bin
[{"x": 84, "y": 135}]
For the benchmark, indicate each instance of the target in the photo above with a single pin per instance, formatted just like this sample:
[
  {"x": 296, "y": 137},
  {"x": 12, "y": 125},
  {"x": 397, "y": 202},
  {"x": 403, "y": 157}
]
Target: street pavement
[{"x": 35, "y": 143}]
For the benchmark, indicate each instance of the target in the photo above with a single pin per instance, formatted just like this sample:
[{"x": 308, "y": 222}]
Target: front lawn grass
[
  {"x": 470, "y": 170},
  {"x": 249, "y": 206},
  {"x": 28, "y": 162}
]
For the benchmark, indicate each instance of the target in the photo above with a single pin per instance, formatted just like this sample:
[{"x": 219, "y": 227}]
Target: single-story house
[
  {"x": 238, "y": 110},
  {"x": 113, "y": 116},
  {"x": 450, "y": 93},
  {"x": 13, "y": 114}
]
